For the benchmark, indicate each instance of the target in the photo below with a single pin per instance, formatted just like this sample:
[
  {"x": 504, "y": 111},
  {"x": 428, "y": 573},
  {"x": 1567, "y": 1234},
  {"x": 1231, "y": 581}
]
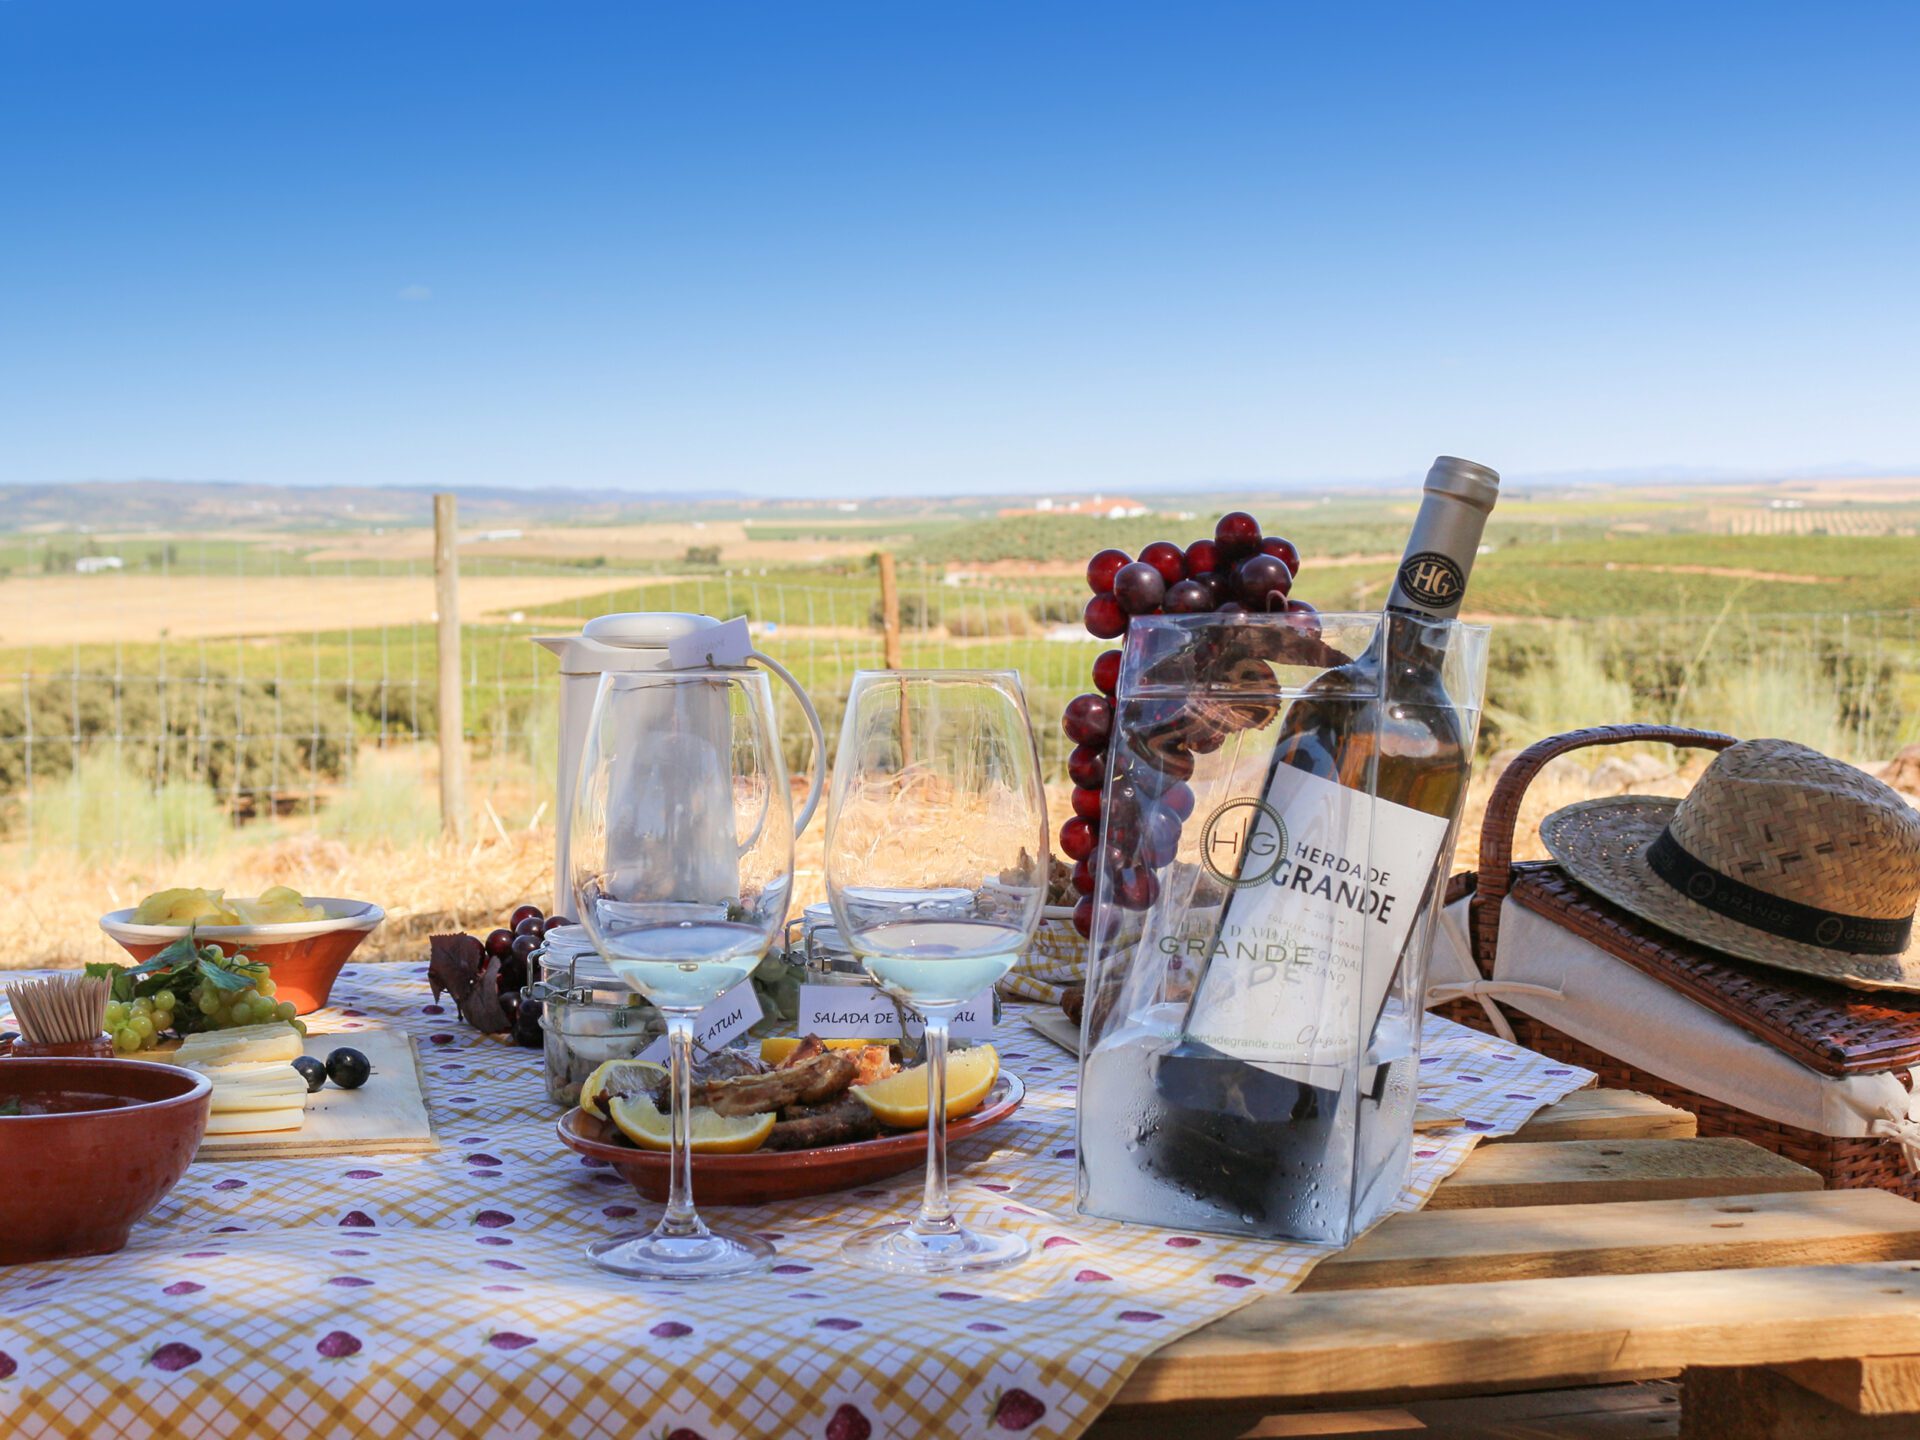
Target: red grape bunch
[{"x": 1131, "y": 827}]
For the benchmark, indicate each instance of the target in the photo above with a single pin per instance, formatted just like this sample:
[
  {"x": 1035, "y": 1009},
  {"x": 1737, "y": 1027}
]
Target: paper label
[
  {"x": 851, "y": 1012},
  {"x": 718, "y": 1024},
  {"x": 1318, "y": 914},
  {"x": 725, "y": 646}
]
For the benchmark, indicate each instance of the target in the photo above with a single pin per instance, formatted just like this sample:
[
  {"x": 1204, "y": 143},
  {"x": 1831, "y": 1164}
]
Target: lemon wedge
[
  {"x": 712, "y": 1133},
  {"x": 776, "y": 1048},
  {"x": 901, "y": 1100},
  {"x": 618, "y": 1077}
]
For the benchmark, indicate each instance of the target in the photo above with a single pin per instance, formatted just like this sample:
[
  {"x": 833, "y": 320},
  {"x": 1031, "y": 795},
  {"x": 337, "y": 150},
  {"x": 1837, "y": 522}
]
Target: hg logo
[
  {"x": 1237, "y": 849},
  {"x": 1432, "y": 579}
]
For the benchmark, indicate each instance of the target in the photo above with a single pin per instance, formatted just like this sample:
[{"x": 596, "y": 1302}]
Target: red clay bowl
[
  {"x": 119, "y": 1135},
  {"x": 304, "y": 957},
  {"x": 768, "y": 1175}
]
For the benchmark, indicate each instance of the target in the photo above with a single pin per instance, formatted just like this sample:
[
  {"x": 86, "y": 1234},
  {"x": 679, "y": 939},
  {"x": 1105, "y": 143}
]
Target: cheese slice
[
  {"x": 242, "y": 1045},
  {"x": 271, "y": 1078},
  {"x": 226, "y": 1102},
  {"x": 248, "y": 1122}
]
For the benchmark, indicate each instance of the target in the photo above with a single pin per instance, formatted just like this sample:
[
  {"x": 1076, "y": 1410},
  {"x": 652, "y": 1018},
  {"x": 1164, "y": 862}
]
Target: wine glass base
[
  {"x": 713, "y": 1255},
  {"x": 899, "y": 1249}
]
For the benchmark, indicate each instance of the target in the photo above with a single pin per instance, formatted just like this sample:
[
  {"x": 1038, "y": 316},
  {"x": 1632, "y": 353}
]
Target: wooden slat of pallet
[
  {"x": 1611, "y": 1412},
  {"x": 1605, "y": 1115},
  {"x": 1451, "y": 1247},
  {"x": 1743, "y": 1403},
  {"x": 1457, "y": 1339},
  {"x": 1585, "y": 1172},
  {"x": 1864, "y": 1384}
]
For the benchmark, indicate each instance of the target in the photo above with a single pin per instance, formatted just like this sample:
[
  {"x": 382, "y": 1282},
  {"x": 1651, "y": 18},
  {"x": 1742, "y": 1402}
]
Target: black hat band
[{"x": 1786, "y": 919}]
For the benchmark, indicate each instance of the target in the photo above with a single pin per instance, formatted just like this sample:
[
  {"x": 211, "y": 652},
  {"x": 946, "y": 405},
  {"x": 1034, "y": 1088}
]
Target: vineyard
[{"x": 236, "y": 701}]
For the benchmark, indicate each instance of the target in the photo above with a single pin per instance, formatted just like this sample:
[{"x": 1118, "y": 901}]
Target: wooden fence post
[
  {"x": 453, "y": 744},
  {"x": 890, "y": 643},
  {"x": 889, "y": 613}
]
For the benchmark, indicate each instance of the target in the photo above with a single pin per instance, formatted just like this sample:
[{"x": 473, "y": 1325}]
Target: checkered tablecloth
[{"x": 446, "y": 1294}]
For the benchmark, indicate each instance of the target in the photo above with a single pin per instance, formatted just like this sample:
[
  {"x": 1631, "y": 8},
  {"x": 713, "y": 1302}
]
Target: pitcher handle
[{"x": 819, "y": 779}]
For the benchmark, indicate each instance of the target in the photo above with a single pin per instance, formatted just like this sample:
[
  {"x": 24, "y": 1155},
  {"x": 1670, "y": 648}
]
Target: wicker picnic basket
[{"x": 1832, "y": 1030}]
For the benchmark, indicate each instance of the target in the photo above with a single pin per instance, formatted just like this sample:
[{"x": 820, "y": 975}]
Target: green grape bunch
[{"x": 189, "y": 988}]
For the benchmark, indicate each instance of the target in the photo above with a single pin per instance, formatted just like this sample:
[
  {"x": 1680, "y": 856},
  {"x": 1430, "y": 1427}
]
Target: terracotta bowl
[
  {"x": 78, "y": 1178},
  {"x": 304, "y": 958},
  {"x": 768, "y": 1175}
]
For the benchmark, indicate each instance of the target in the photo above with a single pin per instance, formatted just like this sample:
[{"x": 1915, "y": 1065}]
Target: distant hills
[{"x": 122, "y": 505}]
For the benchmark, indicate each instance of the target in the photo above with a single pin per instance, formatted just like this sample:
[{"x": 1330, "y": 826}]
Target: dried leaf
[
  {"x": 454, "y": 963},
  {"x": 482, "y": 1009}
]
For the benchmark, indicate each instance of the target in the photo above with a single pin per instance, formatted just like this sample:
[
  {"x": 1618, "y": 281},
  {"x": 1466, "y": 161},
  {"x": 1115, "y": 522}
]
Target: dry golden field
[{"x": 139, "y": 609}]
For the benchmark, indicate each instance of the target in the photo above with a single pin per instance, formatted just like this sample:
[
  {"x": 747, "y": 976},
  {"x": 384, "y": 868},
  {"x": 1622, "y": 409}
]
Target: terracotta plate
[{"x": 767, "y": 1175}]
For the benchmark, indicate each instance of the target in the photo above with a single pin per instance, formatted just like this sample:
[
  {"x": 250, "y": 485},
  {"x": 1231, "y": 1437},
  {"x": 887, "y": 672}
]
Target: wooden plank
[
  {"x": 1605, "y": 1115},
  {"x": 1520, "y": 1334},
  {"x": 387, "y": 1115},
  {"x": 1587, "y": 1172},
  {"x": 1607, "y": 1412},
  {"x": 1864, "y": 1384},
  {"x": 1053, "y": 1023},
  {"x": 1752, "y": 1404},
  {"x": 1827, "y": 1227}
]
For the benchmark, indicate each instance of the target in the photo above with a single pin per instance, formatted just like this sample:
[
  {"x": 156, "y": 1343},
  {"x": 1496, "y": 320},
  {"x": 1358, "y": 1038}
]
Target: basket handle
[{"x": 1503, "y": 809}]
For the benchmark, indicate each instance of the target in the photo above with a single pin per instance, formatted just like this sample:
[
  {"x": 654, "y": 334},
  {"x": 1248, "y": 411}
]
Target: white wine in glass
[
  {"x": 682, "y": 858},
  {"x": 936, "y": 795}
]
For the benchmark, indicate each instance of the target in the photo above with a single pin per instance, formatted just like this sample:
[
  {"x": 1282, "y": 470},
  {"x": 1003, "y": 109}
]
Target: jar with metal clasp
[{"x": 589, "y": 1014}]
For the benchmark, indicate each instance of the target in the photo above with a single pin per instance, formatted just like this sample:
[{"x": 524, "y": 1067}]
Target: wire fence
[{"x": 159, "y": 707}]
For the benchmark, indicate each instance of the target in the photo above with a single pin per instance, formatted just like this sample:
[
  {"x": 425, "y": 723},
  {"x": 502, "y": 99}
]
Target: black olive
[
  {"x": 348, "y": 1069},
  {"x": 311, "y": 1071}
]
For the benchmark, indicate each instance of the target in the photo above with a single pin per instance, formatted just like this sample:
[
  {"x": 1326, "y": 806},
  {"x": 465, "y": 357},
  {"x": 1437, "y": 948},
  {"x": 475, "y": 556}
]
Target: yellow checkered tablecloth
[{"x": 446, "y": 1294}]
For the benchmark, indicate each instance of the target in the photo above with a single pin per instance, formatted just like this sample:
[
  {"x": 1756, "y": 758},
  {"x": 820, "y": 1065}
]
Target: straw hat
[{"x": 1780, "y": 855}]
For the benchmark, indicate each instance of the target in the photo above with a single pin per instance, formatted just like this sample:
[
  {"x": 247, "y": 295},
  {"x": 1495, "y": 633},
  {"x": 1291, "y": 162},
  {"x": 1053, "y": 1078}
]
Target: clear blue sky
[{"x": 891, "y": 248}]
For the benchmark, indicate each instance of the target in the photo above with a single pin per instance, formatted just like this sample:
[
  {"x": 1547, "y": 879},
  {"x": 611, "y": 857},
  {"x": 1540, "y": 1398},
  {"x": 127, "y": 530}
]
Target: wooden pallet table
[{"x": 1602, "y": 1246}]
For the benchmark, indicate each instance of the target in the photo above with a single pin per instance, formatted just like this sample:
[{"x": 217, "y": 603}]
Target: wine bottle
[{"x": 1330, "y": 875}]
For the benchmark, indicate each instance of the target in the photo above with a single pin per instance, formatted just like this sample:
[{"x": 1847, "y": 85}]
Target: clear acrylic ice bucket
[{"x": 1281, "y": 799}]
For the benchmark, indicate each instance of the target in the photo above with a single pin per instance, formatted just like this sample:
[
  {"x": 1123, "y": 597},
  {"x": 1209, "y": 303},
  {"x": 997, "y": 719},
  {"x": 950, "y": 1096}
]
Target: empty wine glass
[
  {"x": 682, "y": 858},
  {"x": 936, "y": 866}
]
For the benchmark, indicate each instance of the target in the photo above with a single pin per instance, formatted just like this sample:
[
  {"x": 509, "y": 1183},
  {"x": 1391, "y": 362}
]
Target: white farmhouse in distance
[
  {"x": 1107, "y": 507},
  {"x": 94, "y": 564}
]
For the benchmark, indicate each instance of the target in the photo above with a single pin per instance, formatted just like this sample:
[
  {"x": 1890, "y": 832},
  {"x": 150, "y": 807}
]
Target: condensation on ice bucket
[{"x": 1252, "y": 1031}]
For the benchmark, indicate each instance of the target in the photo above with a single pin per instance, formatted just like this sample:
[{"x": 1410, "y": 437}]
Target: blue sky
[{"x": 910, "y": 248}]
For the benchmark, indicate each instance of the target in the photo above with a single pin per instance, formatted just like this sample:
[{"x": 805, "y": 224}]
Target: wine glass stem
[
  {"x": 680, "y": 1218},
  {"x": 936, "y": 1211}
]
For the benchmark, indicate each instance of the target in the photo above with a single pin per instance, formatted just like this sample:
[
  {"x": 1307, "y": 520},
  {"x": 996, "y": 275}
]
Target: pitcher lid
[{"x": 644, "y": 629}]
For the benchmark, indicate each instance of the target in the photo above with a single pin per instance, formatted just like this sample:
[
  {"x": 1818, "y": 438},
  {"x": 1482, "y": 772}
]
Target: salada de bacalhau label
[{"x": 1324, "y": 883}]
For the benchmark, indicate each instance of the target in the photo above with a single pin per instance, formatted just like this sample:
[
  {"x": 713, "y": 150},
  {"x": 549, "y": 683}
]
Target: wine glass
[
  {"x": 936, "y": 867},
  {"x": 682, "y": 859}
]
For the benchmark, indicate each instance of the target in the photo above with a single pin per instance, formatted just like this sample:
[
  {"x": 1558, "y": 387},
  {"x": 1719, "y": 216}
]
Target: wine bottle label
[{"x": 1326, "y": 882}]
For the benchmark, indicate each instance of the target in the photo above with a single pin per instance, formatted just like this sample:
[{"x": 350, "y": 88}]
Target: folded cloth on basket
[
  {"x": 1566, "y": 981},
  {"x": 1056, "y": 959}
]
